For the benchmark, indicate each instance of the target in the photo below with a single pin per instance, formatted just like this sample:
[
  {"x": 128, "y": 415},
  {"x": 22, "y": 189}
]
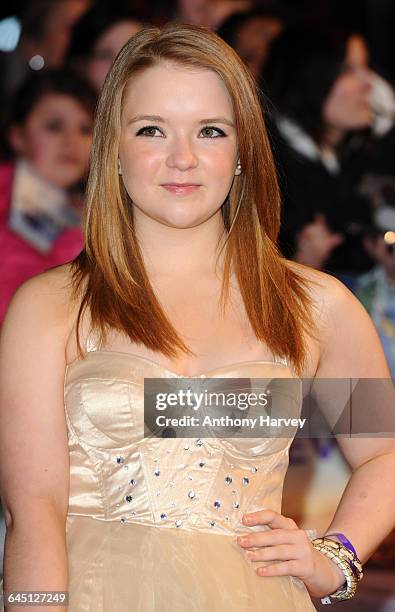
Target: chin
[{"x": 181, "y": 223}]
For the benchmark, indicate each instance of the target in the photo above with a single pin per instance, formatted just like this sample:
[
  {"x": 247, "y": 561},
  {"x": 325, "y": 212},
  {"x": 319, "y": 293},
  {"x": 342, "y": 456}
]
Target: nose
[{"x": 182, "y": 154}]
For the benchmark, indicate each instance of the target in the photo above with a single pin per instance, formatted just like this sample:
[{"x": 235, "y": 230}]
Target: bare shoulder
[
  {"x": 45, "y": 301},
  {"x": 349, "y": 345},
  {"x": 329, "y": 296}
]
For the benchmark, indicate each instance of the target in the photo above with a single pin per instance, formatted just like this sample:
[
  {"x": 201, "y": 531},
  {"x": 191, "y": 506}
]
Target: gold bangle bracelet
[
  {"x": 351, "y": 581},
  {"x": 344, "y": 552}
]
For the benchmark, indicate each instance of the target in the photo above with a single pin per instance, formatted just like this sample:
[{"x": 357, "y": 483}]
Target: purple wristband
[{"x": 344, "y": 541}]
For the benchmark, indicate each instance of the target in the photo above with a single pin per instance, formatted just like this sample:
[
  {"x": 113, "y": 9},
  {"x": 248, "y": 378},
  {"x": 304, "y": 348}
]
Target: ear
[{"x": 17, "y": 140}]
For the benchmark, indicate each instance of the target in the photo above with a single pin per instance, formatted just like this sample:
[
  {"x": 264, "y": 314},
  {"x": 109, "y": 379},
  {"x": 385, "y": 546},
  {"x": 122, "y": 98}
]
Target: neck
[{"x": 180, "y": 252}]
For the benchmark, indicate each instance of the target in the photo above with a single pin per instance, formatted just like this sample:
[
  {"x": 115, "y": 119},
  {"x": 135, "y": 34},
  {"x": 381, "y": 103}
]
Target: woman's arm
[
  {"x": 34, "y": 462},
  {"x": 351, "y": 349}
]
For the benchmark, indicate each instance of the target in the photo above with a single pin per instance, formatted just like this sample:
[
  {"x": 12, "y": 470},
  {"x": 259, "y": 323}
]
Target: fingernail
[
  {"x": 243, "y": 541},
  {"x": 247, "y": 519}
]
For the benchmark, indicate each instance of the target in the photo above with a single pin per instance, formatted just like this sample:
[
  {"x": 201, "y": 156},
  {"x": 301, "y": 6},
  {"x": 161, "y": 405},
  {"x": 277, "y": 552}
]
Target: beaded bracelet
[{"x": 342, "y": 556}]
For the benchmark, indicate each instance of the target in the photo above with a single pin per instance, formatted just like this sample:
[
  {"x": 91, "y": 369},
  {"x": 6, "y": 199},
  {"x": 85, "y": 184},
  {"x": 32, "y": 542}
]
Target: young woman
[
  {"x": 328, "y": 140},
  {"x": 49, "y": 136},
  {"x": 97, "y": 39},
  {"x": 183, "y": 210}
]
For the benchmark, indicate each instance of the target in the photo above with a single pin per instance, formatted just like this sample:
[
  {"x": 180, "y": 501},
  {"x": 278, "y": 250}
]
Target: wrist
[{"x": 339, "y": 580}]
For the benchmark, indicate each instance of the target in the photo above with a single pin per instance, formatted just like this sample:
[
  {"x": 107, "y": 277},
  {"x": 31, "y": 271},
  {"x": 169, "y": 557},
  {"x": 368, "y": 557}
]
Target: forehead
[
  {"x": 54, "y": 103},
  {"x": 176, "y": 88}
]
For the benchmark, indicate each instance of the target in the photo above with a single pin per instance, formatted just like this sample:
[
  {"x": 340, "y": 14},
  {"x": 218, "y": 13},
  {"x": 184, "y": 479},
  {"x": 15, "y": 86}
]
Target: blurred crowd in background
[{"x": 326, "y": 75}]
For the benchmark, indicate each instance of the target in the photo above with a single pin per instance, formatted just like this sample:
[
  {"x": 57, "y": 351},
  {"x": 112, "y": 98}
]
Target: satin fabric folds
[{"x": 152, "y": 523}]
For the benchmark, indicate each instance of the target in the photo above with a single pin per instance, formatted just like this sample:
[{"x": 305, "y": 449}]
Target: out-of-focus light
[
  {"x": 10, "y": 31},
  {"x": 389, "y": 237},
  {"x": 36, "y": 62}
]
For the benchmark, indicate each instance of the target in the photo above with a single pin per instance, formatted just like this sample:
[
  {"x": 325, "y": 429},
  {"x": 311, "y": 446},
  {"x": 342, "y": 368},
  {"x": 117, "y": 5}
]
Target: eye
[
  {"x": 86, "y": 129},
  {"x": 208, "y": 132},
  {"x": 149, "y": 130},
  {"x": 54, "y": 126}
]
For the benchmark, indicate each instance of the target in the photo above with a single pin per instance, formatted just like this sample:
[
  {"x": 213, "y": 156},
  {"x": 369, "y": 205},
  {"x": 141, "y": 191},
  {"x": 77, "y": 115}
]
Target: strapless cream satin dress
[{"x": 143, "y": 533}]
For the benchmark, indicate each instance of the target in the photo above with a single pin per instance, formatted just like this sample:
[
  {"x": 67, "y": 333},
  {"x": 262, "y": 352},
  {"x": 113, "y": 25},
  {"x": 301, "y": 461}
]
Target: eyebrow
[{"x": 162, "y": 120}]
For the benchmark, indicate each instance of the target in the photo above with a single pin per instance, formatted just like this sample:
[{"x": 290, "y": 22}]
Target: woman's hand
[{"x": 293, "y": 552}]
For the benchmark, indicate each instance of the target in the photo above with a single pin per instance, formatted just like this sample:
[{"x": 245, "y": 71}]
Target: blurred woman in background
[
  {"x": 97, "y": 38},
  {"x": 49, "y": 136},
  {"x": 251, "y": 34},
  {"x": 328, "y": 132}
]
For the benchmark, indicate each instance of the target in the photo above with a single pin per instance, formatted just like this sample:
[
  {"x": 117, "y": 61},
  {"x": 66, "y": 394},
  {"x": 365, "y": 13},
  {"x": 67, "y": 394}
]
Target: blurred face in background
[
  {"x": 58, "y": 25},
  {"x": 56, "y": 139},
  {"x": 254, "y": 39},
  {"x": 348, "y": 105},
  {"x": 106, "y": 49}
]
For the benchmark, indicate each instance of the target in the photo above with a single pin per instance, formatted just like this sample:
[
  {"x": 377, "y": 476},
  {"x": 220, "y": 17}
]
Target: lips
[{"x": 181, "y": 188}]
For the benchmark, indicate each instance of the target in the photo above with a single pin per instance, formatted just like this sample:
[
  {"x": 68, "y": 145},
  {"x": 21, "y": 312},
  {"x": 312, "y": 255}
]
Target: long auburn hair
[{"x": 109, "y": 276}]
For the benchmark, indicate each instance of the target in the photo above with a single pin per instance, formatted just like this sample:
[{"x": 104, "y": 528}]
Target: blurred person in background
[
  {"x": 376, "y": 289},
  {"x": 97, "y": 38},
  {"x": 49, "y": 135},
  {"x": 332, "y": 122},
  {"x": 251, "y": 34},
  {"x": 45, "y": 33},
  {"x": 209, "y": 13}
]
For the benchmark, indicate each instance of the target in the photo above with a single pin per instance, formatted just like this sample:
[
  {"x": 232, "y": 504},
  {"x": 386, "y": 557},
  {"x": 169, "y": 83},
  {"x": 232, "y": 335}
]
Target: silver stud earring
[
  {"x": 238, "y": 168},
  {"x": 119, "y": 167}
]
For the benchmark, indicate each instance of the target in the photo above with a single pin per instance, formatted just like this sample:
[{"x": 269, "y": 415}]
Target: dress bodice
[{"x": 201, "y": 484}]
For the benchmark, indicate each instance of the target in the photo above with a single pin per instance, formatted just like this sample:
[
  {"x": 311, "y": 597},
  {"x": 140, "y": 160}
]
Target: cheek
[
  {"x": 219, "y": 163},
  {"x": 141, "y": 160},
  {"x": 85, "y": 148},
  {"x": 42, "y": 146},
  {"x": 97, "y": 72}
]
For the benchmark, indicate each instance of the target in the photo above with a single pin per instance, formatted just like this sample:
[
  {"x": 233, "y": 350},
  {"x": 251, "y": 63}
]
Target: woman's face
[
  {"x": 254, "y": 40},
  {"x": 178, "y": 148},
  {"x": 106, "y": 49},
  {"x": 348, "y": 106},
  {"x": 56, "y": 138}
]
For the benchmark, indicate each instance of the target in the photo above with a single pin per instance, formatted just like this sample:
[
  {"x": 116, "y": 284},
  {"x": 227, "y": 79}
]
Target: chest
[{"x": 216, "y": 337}]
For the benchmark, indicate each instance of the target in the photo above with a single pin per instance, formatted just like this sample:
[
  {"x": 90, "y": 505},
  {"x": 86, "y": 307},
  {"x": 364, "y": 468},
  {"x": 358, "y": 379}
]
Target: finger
[
  {"x": 283, "y": 552},
  {"x": 272, "y": 537},
  {"x": 284, "y": 568},
  {"x": 269, "y": 517}
]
